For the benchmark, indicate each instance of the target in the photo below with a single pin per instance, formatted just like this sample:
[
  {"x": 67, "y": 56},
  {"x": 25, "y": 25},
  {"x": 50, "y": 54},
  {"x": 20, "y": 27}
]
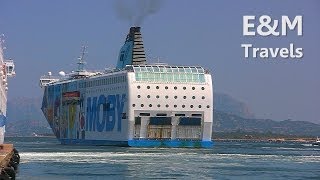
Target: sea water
[{"x": 45, "y": 158}]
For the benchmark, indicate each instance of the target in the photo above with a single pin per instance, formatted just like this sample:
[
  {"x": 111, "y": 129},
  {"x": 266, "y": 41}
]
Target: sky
[{"x": 45, "y": 35}]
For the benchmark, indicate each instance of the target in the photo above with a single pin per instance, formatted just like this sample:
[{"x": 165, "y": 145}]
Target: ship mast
[{"x": 81, "y": 63}]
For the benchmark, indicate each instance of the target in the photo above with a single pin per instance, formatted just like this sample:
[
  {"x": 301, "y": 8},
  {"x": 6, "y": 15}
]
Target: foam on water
[{"x": 46, "y": 159}]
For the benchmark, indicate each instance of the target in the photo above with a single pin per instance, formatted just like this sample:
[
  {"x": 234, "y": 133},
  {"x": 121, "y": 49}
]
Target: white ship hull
[
  {"x": 139, "y": 105},
  {"x": 6, "y": 70}
]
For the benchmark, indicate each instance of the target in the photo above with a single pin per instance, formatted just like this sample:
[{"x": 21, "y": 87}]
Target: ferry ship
[
  {"x": 6, "y": 70},
  {"x": 135, "y": 104}
]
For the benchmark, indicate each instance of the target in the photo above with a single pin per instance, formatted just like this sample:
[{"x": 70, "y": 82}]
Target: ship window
[
  {"x": 175, "y": 88},
  {"x": 202, "y": 88},
  {"x": 156, "y": 69},
  {"x": 193, "y": 88},
  {"x": 144, "y": 114},
  {"x": 175, "y": 106},
  {"x": 193, "y": 97},
  {"x": 138, "y": 87},
  {"x": 157, "y": 87},
  {"x": 158, "y": 105},
  {"x": 200, "y": 70},
  {"x": 167, "y": 105},
  {"x": 166, "y": 87},
  {"x": 191, "y": 106},
  {"x": 150, "y": 105},
  {"x": 180, "y": 115},
  {"x": 199, "y": 106},
  {"x": 138, "y": 96},
  {"x": 194, "y": 70},
  {"x": 203, "y": 97},
  {"x": 184, "y": 97},
  {"x": 148, "y": 87},
  {"x": 161, "y": 114},
  {"x": 198, "y": 115},
  {"x": 157, "y": 96},
  {"x": 142, "y": 105},
  {"x": 167, "y": 97},
  {"x": 208, "y": 106},
  {"x": 175, "y": 97},
  {"x": 184, "y": 88},
  {"x": 133, "y": 105},
  {"x": 148, "y": 96},
  {"x": 183, "y": 106}
]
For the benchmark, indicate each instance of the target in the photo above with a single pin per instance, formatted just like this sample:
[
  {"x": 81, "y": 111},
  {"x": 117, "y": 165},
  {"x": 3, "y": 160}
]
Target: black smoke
[{"x": 136, "y": 11}]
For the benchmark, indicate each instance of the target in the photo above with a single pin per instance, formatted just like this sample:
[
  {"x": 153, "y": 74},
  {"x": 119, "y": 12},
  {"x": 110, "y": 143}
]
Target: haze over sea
[{"x": 45, "y": 158}]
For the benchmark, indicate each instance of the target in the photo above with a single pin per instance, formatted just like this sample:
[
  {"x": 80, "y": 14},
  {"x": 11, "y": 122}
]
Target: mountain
[
  {"x": 225, "y": 122},
  {"x": 25, "y": 118},
  {"x": 226, "y": 103}
]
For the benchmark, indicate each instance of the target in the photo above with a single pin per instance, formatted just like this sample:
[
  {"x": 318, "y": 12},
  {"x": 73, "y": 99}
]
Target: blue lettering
[
  {"x": 101, "y": 101},
  {"x": 111, "y": 113},
  {"x": 120, "y": 105},
  {"x": 91, "y": 114},
  {"x": 111, "y": 107}
]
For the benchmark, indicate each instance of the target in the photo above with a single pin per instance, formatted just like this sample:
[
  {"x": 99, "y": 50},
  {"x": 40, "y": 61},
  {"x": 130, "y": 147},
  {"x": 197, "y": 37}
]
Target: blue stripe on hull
[
  {"x": 3, "y": 120},
  {"x": 170, "y": 143},
  {"x": 140, "y": 143}
]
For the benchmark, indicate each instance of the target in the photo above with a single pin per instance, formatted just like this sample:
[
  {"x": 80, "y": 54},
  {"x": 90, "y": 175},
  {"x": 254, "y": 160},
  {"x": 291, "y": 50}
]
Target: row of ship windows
[
  {"x": 106, "y": 89},
  {"x": 166, "y": 87},
  {"x": 167, "y": 106},
  {"x": 101, "y": 82},
  {"x": 170, "y": 77},
  {"x": 175, "y": 97}
]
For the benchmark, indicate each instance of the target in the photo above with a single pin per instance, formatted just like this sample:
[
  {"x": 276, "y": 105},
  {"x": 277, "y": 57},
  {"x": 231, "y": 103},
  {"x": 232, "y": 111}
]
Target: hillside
[{"x": 225, "y": 122}]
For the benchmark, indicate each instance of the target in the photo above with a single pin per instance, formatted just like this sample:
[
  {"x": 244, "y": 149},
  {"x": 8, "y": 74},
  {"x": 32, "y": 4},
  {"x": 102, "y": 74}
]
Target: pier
[{"x": 9, "y": 161}]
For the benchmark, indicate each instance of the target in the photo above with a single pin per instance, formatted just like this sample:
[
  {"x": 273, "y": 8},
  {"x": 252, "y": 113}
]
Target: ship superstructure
[
  {"x": 6, "y": 70},
  {"x": 135, "y": 104}
]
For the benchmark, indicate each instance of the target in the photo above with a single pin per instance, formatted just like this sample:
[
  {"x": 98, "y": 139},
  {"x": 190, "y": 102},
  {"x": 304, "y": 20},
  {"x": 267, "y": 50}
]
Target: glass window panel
[
  {"x": 170, "y": 77},
  {"x": 150, "y": 77},
  {"x": 157, "y": 76},
  {"x": 195, "y": 78},
  {"x": 143, "y": 69},
  {"x": 183, "y": 77},
  {"x": 201, "y": 78},
  {"x": 194, "y": 70},
  {"x": 168, "y": 69},
  {"x": 187, "y": 70},
  {"x": 189, "y": 77},
  {"x": 149, "y": 69},
  {"x": 144, "y": 76},
  {"x": 200, "y": 70},
  {"x": 136, "y": 69},
  {"x": 138, "y": 76},
  {"x": 155, "y": 69},
  {"x": 176, "y": 77},
  {"x": 164, "y": 77},
  {"x": 174, "y": 69},
  {"x": 181, "y": 69},
  {"x": 162, "y": 69}
]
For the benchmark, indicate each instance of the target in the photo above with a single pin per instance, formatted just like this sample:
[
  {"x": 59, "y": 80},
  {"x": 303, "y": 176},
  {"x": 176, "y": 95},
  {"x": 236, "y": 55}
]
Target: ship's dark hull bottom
[{"x": 141, "y": 143}]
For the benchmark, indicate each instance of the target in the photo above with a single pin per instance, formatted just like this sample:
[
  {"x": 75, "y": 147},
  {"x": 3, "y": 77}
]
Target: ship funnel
[{"x": 132, "y": 52}]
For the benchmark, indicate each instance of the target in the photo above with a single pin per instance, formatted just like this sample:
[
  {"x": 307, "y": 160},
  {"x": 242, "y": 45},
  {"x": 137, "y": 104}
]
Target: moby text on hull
[{"x": 135, "y": 104}]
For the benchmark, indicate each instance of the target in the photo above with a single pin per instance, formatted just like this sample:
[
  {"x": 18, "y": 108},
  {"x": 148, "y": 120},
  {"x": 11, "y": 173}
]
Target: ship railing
[{"x": 46, "y": 80}]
